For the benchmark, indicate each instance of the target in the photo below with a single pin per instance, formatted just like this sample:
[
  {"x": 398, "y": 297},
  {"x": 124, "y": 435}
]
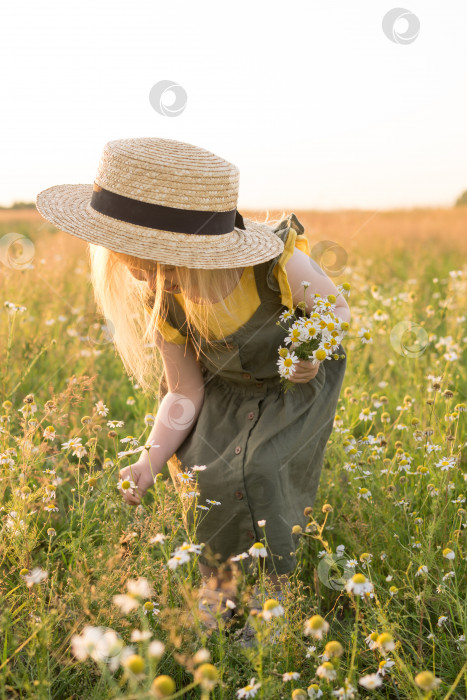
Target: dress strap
[{"x": 268, "y": 284}]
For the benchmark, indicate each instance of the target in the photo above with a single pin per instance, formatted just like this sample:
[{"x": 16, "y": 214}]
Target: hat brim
[{"x": 68, "y": 208}]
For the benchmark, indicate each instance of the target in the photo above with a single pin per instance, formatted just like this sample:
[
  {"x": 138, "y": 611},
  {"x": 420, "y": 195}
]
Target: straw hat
[{"x": 162, "y": 200}]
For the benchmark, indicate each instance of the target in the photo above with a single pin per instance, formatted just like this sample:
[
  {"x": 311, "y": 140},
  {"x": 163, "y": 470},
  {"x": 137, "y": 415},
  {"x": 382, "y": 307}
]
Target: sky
[{"x": 312, "y": 101}]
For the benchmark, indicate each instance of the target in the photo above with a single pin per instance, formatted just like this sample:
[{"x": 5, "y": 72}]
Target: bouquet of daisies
[{"x": 313, "y": 337}]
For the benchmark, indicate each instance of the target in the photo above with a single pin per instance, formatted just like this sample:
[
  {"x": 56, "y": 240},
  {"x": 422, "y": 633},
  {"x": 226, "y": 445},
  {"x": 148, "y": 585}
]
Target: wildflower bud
[
  {"x": 51, "y": 531},
  {"x": 346, "y": 286},
  {"x": 307, "y": 511},
  {"x": 301, "y": 305},
  {"x": 86, "y": 420},
  {"x": 201, "y": 656},
  {"x": 448, "y": 394},
  {"x": 429, "y": 402},
  {"x": 333, "y": 649},
  {"x": 347, "y": 392},
  {"x": 422, "y": 469},
  {"x": 299, "y": 694},
  {"x": 25, "y": 490},
  {"x": 112, "y": 434},
  {"x": 92, "y": 481},
  {"x": 331, "y": 298},
  {"x": 158, "y": 476},
  {"x": 23, "y": 572},
  {"x": 96, "y": 428},
  {"x": 296, "y": 530},
  {"x": 135, "y": 663},
  {"x": 385, "y": 417},
  {"x": 426, "y": 680},
  {"x": 345, "y": 325},
  {"x": 29, "y": 398},
  {"x": 163, "y": 686},
  {"x": 458, "y": 406},
  {"x": 365, "y": 396},
  {"x": 206, "y": 675},
  {"x": 283, "y": 352},
  {"x": 391, "y": 488},
  {"x": 327, "y": 508},
  {"x": 398, "y": 444},
  {"x": 414, "y": 421},
  {"x": 7, "y": 405}
]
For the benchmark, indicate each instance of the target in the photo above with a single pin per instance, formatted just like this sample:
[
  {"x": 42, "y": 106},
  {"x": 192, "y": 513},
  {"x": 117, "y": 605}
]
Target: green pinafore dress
[{"x": 263, "y": 449}]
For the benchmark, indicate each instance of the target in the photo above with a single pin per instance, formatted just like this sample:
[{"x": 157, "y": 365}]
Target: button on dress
[{"x": 263, "y": 449}]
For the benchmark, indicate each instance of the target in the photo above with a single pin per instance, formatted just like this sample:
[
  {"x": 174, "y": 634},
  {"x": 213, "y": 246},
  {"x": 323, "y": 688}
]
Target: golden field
[{"x": 391, "y": 506}]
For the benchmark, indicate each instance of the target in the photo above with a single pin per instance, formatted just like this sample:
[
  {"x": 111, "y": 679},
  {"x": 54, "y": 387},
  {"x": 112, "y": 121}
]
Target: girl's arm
[
  {"x": 176, "y": 416},
  {"x": 301, "y": 268}
]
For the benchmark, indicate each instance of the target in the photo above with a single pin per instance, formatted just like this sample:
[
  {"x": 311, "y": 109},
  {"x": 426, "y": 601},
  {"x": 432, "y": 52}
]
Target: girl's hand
[
  {"x": 140, "y": 474},
  {"x": 304, "y": 370}
]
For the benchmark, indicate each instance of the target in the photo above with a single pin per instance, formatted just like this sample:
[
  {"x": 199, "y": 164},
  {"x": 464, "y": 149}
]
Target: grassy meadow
[{"x": 377, "y": 605}]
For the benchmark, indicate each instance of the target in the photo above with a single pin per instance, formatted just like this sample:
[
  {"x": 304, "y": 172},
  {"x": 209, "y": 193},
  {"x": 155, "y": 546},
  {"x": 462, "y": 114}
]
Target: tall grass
[{"x": 390, "y": 506}]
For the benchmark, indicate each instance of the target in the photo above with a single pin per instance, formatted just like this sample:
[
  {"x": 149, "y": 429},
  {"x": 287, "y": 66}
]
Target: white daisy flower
[
  {"x": 258, "y": 550},
  {"x": 250, "y": 690},
  {"x": 370, "y": 681}
]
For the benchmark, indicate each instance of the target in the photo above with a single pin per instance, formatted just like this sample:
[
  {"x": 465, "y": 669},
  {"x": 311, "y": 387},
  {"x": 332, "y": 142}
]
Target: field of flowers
[{"x": 98, "y": 597}]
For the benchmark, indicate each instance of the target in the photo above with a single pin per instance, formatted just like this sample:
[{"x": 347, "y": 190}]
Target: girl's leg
[
  {"x": 279, "y": 580},
  {"x": 209, "y": 572}
]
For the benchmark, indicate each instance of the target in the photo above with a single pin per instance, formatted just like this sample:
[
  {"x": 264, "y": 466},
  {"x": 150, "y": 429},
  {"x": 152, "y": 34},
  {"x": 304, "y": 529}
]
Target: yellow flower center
[{"x": 135, "y": 663}]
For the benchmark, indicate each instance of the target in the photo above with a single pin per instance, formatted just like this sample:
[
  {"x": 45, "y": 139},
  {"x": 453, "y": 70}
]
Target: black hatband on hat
[{"x": 133, "y": 211}]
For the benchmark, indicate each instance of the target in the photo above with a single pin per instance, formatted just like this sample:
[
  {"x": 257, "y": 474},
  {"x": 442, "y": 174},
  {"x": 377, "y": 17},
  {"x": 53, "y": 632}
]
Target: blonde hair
[{"x": 124, "y": 300}]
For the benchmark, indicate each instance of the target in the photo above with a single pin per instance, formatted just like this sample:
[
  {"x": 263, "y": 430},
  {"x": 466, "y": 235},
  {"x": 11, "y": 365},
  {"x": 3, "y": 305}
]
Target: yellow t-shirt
[{"x": 244, "y": 298}]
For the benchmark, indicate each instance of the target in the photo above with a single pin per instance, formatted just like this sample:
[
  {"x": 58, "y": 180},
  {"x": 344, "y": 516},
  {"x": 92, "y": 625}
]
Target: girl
[{"x": 173, "y": 263}]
